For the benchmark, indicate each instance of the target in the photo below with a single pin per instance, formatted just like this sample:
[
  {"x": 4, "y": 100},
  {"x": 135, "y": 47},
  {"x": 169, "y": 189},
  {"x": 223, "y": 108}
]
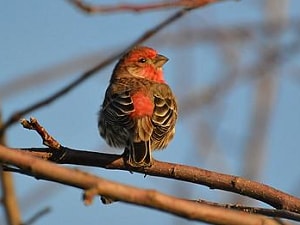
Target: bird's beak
[{"x": 160, "y": 60}]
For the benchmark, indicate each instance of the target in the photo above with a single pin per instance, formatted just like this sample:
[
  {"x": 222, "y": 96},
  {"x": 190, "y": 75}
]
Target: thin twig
[
  {"x": 239, "y": 33},
  {"x": 92, "y": 9},
  {"x": 48, "y": 140},
  {"x": 37, "y": 216},
  {"x": 151, "y": 32},
  {"x": 256, "y": 210}
]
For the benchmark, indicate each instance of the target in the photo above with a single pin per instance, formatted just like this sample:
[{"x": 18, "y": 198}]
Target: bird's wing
[
  {"x": 117, "y": 108},
  {"x": 114, "y": 121},
  {"x": 164, "y": 116}
]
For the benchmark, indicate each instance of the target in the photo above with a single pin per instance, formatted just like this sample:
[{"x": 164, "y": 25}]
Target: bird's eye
[{"x": 142, "y": 60}]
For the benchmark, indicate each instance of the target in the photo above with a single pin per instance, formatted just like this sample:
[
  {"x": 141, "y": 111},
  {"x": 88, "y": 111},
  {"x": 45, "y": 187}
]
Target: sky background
[{"x": 37, "y": 36}]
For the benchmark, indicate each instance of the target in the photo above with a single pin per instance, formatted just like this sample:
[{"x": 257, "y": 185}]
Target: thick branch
[
  {"x": 276, "y": 198},
  {"x": 149, "y": 198},
  {"x": 213, "y": 180}
]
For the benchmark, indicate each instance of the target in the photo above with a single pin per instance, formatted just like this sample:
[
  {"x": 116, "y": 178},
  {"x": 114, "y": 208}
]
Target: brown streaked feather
[
  {"x": 164, "y": 116},
  {"x": 139, "y": 153},
  {"x": 144, "y": 129}
]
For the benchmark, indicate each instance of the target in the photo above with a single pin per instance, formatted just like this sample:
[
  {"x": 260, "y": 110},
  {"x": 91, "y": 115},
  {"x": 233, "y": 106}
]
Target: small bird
[{"x": 139, "y": 110}]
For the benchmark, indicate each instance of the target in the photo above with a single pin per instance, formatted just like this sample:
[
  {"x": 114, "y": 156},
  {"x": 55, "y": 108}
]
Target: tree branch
[
  {"x": 149, "y": 198},
  {"x": 37, "y": 216},
  {"x": 59, "y": 154},
  {"x": 15, "y": 117},
  {"x": 148, "y": 34},
  {"x": 213, "y": 180},
  {"x": 9, "y": 198},
  {"x": 10, "y": 201},
  {"x": 256, "y": 210},
  {"x": 92, "y": 9}
]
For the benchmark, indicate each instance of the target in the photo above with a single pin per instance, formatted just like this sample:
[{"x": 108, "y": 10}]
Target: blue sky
[{"x": 36, "y": 35}]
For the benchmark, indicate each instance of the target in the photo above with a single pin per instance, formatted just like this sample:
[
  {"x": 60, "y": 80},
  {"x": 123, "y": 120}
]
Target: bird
[{"x": 139, "y": 110}]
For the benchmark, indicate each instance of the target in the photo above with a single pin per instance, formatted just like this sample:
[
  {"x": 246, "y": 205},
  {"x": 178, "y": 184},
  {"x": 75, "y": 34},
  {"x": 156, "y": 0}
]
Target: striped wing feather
[
  {"x": 114, "y": 123},
  {"x": 164, "y": 117}
]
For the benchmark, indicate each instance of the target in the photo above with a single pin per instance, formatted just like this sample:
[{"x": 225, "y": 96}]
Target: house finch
[{"x": 139, "y": 110}]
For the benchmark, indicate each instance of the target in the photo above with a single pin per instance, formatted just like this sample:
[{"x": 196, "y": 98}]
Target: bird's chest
[
  {"x": 142, "y": 103},
  {"x": 141, "y": 94}
]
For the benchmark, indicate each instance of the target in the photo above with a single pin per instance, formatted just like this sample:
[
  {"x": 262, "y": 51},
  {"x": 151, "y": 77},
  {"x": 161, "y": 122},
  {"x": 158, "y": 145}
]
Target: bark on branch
[
  {"x": 93, "y": 186},
  {"x": 60, "y": 154},
  {"x": 289, "y": 206},
  {"x": 213, "y": 180}
]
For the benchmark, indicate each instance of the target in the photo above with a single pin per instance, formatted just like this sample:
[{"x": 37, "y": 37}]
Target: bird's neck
[{"x": 156, "y": 75}]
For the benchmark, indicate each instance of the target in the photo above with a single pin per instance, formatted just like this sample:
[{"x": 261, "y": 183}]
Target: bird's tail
[{"x": 139, "y": 154}]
